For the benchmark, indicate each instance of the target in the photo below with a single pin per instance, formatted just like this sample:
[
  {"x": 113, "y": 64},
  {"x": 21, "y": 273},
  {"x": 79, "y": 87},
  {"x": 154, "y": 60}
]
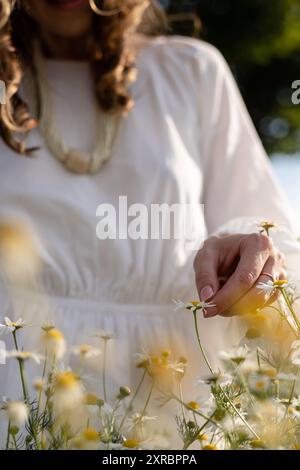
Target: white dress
[{"x": 189, "y": 139}]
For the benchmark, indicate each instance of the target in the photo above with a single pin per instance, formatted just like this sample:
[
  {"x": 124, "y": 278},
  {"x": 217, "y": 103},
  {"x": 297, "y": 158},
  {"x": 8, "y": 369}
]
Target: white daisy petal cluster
[
  {"x": 193, "y": 306},
  {"x": 10, "y": 326}
]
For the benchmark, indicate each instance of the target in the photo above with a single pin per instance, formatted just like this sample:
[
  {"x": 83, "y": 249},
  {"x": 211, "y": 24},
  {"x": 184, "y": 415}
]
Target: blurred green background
[{"x": 261, "y": 41}]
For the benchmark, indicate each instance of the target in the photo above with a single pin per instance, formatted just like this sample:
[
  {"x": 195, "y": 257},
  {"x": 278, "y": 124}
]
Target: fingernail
[
  {"x": 210, "y": 312},
  {"x": 206, "y": 293}
]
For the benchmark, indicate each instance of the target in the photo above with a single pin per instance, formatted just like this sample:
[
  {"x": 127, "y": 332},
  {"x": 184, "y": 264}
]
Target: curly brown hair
[{"x": 111, "y": 66}]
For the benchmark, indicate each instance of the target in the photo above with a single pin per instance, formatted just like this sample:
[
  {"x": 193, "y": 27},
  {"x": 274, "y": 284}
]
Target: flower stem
[
  {"x": 148, "y": 400},
  {"x": 8, "y": 436},
  {"x": 290, "y": 307},
  {"x": 200, "y": 344},
  {"x": 104, "y": 370},
  {"x": 25, "y": 390},
  {"x": 220, "y": 387},
  {"x": 21, "y": 368},
  {"x": 238, "y": 413},
  {"x": 133, "y": 399}
]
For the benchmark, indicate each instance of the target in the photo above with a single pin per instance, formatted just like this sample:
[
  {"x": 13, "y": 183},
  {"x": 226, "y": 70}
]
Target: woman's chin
[{"x": 63, "y": 18}]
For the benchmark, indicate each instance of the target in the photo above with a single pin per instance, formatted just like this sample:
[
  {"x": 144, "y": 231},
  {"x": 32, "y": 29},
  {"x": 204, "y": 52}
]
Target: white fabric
[{"x": 189, "y": 139}]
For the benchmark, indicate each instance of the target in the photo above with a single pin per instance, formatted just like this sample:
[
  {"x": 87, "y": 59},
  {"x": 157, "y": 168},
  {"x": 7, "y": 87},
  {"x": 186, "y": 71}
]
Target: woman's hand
[{"x": 228, "y": 269}]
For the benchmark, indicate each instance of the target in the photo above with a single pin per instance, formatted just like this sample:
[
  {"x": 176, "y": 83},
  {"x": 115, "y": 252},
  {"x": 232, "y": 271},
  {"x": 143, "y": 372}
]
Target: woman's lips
[{"x": 67, "y": 4}]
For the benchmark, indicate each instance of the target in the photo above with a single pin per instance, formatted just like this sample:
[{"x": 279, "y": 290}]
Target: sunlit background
[{"x": 261, "y": 41}]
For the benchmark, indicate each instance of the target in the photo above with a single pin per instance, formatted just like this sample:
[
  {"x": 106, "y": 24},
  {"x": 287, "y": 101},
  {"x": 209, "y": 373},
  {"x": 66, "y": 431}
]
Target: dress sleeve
[{"x": 240, "y": 188}]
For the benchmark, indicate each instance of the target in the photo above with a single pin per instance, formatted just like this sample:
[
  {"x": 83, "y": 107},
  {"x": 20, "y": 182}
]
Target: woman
[{"x": 179, "y": 133}]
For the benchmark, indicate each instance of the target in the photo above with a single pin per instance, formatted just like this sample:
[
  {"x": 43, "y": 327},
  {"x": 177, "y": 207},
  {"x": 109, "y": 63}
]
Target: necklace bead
[{"x": 74, "y": 160}]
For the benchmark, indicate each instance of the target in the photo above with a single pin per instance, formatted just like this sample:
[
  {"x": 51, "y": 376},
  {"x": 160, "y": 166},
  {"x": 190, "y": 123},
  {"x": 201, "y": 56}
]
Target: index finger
[{"x": 253, "y": 256}]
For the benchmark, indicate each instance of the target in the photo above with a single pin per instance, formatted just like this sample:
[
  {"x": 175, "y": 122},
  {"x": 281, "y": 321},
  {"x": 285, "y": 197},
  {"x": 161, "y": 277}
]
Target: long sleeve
[{"x": 240, "y": 187}]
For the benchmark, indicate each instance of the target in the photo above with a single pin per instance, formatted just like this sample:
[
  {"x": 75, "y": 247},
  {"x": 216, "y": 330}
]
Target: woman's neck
[{"x": 64, "y": 48}]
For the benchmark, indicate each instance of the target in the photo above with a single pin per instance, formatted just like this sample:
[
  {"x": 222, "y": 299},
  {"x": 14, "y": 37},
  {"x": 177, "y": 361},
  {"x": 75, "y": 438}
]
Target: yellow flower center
[
  {"x": 193, "y": 405},
  {"x": 166, "y": 354},
  {"x": 271, "y": 373},
  {"x": 90, "y": 434},
  {"x": 55, "y": 334},
  {"x": 66, "y": 379},
  {"x": 257, "y": 443},
  {"x": 91, "y": 399},
  {"x": 280, "y": 282},
  {"x": 260, "y": 384},
  {"x": 210, "y": 447},
  {"x": 84, "y": 349},
  {"x": 131, "y": 443}
]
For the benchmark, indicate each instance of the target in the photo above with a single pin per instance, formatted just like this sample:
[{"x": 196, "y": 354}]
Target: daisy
[
  {"x": 193, "y": 306},
  {"x": 105, "y": 335},
  {"x": 24, "y": 355},
  {"x": 88, "y": 440},
  {"x": 54, "y": 341},
  {"x": 236, "y": 355},
  {"x": 86, "y": 351},
  {"x": 39, "y": 384},
  {"x": 19, "y": 249},
  {"x": 10, "y": 326},
  {"x": 142, "y": 360},
  {"x": 5, "y": 330},
  {"x": 138, "y": 419},
  {"x": 259, "y": 383},
  {"x": 269, "y": 286},
  {"x": 68, "y": 391},
  {"x": 192, "y": 406},
  {"x": 266, "y": 226},
  {"x": 17, "y": 412},
  {"x": 295, "y": 357}
]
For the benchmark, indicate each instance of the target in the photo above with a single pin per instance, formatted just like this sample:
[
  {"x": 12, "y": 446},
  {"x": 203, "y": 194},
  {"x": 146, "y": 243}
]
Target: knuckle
[
  {"x": 283, "y": 274},
  {"x": 262, "y": 241},
  {"x": 199, "y": 259},
  {"x": 209, "y": 242},
  {"x": 265, "y": 242},
  {"x": 280, "y": 257},
  {"x": 202, "y": 277},
  {"x": 245, "y": 279}
]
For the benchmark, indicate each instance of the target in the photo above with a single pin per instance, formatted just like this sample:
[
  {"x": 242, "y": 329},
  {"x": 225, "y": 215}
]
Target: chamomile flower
[
  {"x": 68, "y": 391},
  {"x": 138, "y": 419},
  {"x": 91, "y": 399},
  {"x": 142, "y": 360},
  {"x": 5, "y": 330},
  {"x": 193, "y": 406},
  {"x": 194, "y": 306},
  {"x": 259, "y": 384},
  {"x": 88, "y": 439},
  {"x": 236, "y": 355},
  {"x": 131, "y": 443},
  {"x": 295, "y": 357},
  {"x": 16, "y": 325},
  {"x": 267, "y": 287},
  {"x": 39, "y": 384},
  {"x": 210, "y": 447},
  {"x": 19, "y": 250},
  {"x": 104, "y": 335},
  {"x": 270, "y": 286},
  {"x": 266, "y": 226},
  {"x": 86, "y": 351},
  {"x": 17, "y": 412},
  {"x": 24, "y": 356},
  {"x": 53, "y": 341}
]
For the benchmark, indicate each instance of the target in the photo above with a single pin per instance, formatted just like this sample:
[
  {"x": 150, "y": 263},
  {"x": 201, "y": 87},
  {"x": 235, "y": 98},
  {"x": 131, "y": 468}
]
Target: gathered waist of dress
[{"x": 21, "y": 298}]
